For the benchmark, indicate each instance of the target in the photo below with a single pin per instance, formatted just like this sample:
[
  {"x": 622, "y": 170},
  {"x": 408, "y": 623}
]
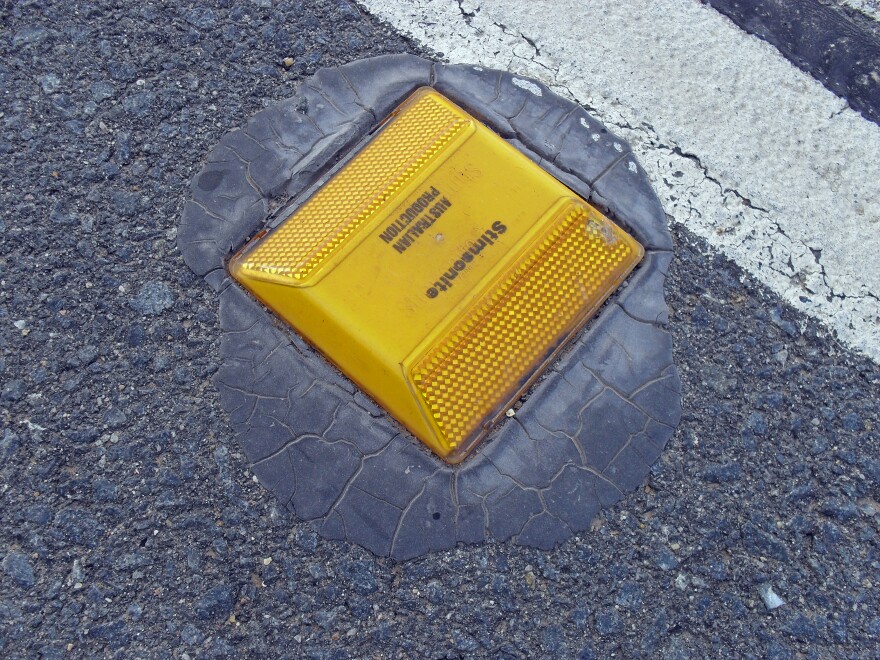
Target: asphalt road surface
[{"x": 130, "y": 525}]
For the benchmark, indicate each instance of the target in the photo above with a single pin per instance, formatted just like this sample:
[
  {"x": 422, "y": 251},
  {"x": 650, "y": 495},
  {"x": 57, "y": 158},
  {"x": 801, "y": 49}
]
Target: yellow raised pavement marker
[{"x": 440, "y": 269}]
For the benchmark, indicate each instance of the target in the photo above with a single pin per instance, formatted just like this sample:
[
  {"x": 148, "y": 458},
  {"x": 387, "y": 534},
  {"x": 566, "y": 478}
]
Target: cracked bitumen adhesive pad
[
  {"x": 590, "y": 430},
  {"x": 130, "y": 524}
]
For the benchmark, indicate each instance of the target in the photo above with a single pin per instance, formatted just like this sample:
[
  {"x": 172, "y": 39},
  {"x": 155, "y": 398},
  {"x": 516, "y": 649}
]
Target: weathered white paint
[
  {"x": 868, "y": 7},
  {"x": 743, "y": 148}
]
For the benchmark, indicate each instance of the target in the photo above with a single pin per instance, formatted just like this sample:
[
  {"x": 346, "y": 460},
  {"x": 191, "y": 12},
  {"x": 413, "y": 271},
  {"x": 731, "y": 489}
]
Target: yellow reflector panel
[{"x": 440, "y": 269}]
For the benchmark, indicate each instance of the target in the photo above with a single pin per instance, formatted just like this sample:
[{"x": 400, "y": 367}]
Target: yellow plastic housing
[{"x": 440, "y": 269}]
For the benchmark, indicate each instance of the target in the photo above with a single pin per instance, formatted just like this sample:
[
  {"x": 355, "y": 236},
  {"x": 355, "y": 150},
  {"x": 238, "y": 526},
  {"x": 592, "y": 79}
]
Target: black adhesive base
[{"x": 586, "y": 436}]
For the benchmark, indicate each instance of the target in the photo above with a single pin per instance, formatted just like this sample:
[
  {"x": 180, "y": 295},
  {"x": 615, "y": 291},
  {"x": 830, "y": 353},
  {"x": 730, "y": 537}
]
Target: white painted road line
[
  {"x": 868, "y": 7},
  {"x": 743, "y": 148}
]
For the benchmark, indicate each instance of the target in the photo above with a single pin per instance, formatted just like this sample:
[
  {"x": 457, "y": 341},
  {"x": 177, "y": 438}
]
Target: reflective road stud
[
  {"x": 590, "y": 429},
  {"x": 440, "y": 269}
]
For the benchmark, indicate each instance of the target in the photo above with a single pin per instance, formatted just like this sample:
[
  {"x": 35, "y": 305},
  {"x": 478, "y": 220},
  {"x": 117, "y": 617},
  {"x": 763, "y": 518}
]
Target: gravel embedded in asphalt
[{"x": 129, "y": 523}]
